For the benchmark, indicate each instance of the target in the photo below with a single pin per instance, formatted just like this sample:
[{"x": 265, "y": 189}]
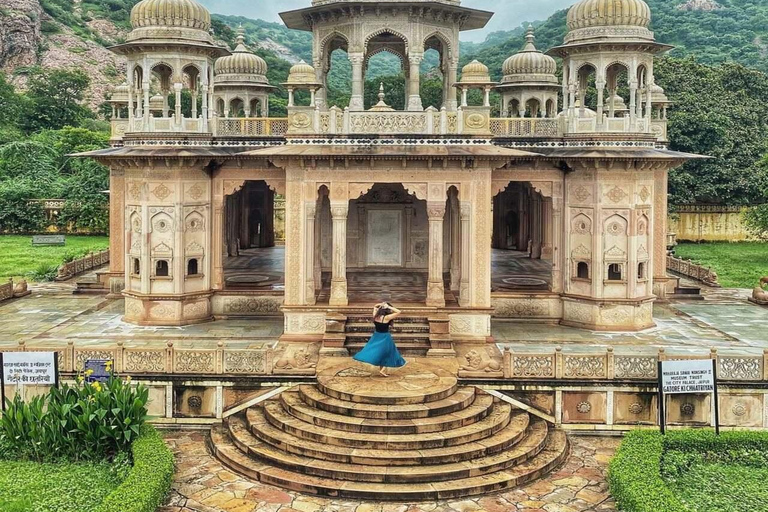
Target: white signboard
[
  {"x": 694, "y": 376},
  {"x": 29, "y": 368}
]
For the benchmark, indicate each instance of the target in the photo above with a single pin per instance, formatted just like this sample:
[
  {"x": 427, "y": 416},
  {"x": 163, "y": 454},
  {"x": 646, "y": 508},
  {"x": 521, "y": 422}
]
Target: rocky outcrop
[
  {"x": 24, "y": 44},
  {"x": 700, "y": 5},
  {"x": 20, "y": 34}
]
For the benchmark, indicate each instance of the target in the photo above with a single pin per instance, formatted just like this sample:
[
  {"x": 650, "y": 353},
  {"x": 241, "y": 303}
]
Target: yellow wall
[{"x": 709, "y": 223}]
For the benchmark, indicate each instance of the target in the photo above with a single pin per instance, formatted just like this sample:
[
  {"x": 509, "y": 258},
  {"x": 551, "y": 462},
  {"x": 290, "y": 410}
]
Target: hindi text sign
[{"x": 29, "y": 368}]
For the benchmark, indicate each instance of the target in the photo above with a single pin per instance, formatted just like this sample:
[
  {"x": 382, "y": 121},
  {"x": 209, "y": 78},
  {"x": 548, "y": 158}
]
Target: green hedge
[
  {"x": 148, "y": 481},
  {"x": 635, "y": 473}
]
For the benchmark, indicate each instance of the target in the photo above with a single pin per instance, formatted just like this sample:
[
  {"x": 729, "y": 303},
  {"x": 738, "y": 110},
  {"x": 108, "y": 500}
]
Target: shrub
[
  {"x": 756, "y": 220},
  {"x": 43, "y": 273},
  {"x": 634, "y": 476},
  {"x": 148, "y": 481},
  {"x": 80, "y": 422}
]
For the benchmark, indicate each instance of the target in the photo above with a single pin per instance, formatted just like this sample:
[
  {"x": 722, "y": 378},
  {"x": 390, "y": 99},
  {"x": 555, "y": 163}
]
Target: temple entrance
[
  {"x": 387, "y": 247},
  {"x": 254, "y": 238},
  {"x": 522, "y": 240}
]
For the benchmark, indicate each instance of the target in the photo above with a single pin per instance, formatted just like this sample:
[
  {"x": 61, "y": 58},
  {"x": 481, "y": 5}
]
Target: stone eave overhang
[
  {"x": 519, "y": 85},
  {"x": 144, "y": 45},
  {"x": 609, "y": 44},
  {"x": 396, "y": 152},
  {"x": 241, "y": 83},
  {"x": 304, "y": 19}
]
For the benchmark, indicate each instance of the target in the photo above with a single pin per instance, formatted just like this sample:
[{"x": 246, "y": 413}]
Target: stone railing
[
  {"x": 78, "y": 266},
  {"x": 168, "y": 125},
  {"x": 694, "y": 271},
  {"x": 251, "y": 127},
  {"x": 609, "y": 365},
  {"x": 525, "y": 127},
  {"x": 609, "y": 125},
  {"x": 171, "y": 360}
]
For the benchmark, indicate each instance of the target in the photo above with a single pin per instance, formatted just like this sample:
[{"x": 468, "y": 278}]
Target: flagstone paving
[{"x": 202, "y": 484}]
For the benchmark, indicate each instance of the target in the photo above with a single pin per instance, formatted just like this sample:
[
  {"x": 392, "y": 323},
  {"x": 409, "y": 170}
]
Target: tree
[{"x": 55, "y": 100}]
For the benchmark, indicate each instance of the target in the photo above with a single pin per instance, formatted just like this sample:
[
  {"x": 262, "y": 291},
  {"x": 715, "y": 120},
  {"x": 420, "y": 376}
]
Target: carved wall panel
[{"x": 583, "y": 407}]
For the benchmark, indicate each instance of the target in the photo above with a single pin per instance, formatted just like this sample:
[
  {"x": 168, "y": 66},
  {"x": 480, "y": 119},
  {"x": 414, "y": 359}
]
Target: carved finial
[
  {"x": 529, "y": 39},
  {"x": 240, "y": 35},
  {"x": 381, "y": 91}
]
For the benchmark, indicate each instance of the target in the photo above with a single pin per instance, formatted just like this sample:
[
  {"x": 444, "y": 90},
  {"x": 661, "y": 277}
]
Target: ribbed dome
[
  {"x": 301, "y": 73},
  {"x": 529, "y": 60},
  {"x": 475, "y": 71},
  {"x": 156, "y": 102},
  {"x": 242, "y": 61},
  {"x": 597, "y": 13},
  {"x": 170, "y": 13}
]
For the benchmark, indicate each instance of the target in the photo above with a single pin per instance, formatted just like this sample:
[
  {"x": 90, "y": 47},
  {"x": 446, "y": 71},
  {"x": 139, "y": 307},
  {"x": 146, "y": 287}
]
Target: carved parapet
[
  {"x": 296, "y": 359},
  {"x": 480, "y": 361}
]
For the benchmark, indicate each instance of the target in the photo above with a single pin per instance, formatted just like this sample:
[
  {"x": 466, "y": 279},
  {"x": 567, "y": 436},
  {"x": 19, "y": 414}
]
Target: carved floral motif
[{"x": 585, "y": 366}]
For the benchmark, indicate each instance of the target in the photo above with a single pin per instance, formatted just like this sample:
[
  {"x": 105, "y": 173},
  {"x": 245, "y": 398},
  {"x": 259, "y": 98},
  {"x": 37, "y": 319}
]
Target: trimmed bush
[
  {"x": 634, "y": 475},
  {"x": 645, "y": 458},
  {"x": 148, "y": 481}
]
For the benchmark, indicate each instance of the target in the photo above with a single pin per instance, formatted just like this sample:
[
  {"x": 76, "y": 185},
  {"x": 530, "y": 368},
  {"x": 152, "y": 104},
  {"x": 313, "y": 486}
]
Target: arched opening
[
  {"x": 617, "y": 88},
  {"x": 337, "y": 72},
  {"x": 434, "y": 87},
  {"x": 192, "y": 267},
  {"x": 532, "y": 108},
  {"x": 582, "y": 270},
  {"x": 521, "y": 240},
  {"x": 256, "y": 108},
  {"x": 162, "y": 268},
  {"x": 236, "y": 108},
  {"x": 550, "y": 109},
  {"x": 586, "y": 94},
  {"x": 641, "y": 271},
  {"x": 161, "y": 86},
  {"x": 379, "y": 67},
  {"x": 136, "y": 269},
  {"x": 254, "y": 236},
  {"x": 614, "y": 272},
  {"x": 221, "y": 107},
  {"x": 514, "y": 108}
]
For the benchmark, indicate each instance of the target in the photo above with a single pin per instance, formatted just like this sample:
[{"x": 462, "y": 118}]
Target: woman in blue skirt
[{"x": 380, "y": 349}]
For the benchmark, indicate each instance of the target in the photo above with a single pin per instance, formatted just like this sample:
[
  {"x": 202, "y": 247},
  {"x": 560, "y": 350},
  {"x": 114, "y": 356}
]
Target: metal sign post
[{"x": 687, "y": 376}]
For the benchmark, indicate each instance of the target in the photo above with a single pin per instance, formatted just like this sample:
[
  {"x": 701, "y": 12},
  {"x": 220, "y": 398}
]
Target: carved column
[
  {"x": 177, "y": 89},
  {"x": 600, "y": 92},
  {"x": 414, "y": 98},
  {"x": 339, "y": 212},
  {"x": 546, "y": 224},
  {"x": 559, "y": 230},
  {"x": 117, "y": 249},
  {"x": 535, "y": 226},
  {"x": 465, "y": 215},
  {"x": 310, "y": 207},
  {"x": 321, "y": 98},
  {"x": 294, "y": 221},
  {"x": 218, "y": 247},
  {"x": 451, "y": 103},
  {"x": 633, "y": 102},
  {"x": 356, "y": 100},
  {"x": 659, "y": 234},
  {"x": 435, "y": 288},
  {"x": 455, "y": 243}
]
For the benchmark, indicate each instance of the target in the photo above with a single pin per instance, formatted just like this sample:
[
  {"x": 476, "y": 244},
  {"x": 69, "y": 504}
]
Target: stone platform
[{"x": 416, "y": 435}]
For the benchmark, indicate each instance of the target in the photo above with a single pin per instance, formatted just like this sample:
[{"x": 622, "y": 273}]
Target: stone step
[
  {"x": 498, "y": 418},
  {"x": 363, "y": 337},
  {"x": 363, "y": 385},
  {"x": 461, "y": 399},
  {"x": 402, "y": 319},
  {"x": 397, "y": 327},
  {"x": 410, "y": 349},
  {"x": 285, "y": 441},
  {"x": 292, "y": 402},
  {"x": 527, "y": 448},
  {"x": 554, "y": 452}
]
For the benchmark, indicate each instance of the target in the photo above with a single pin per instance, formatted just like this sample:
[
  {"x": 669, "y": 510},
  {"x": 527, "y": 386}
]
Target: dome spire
[
  {"x": 240, "y": 40},
  {"x": 529, "y": 39}
]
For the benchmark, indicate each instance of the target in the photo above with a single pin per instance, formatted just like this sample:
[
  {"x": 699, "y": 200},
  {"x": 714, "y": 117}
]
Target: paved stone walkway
[{"x": 202, "y": 484}]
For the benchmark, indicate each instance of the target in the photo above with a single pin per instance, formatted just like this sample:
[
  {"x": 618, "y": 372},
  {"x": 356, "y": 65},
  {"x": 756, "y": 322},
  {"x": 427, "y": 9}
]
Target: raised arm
[{"x": 395, "y": 313}]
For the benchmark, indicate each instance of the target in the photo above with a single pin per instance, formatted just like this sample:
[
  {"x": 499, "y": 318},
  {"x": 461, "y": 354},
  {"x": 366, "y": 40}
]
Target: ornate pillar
[
  {"x": 451, "y": 104},
  {"x": 339, "y": 212},
  {"x": 465, "y": 216},
  {"x": 546, "y": 224},
  {"x": 145, "y": 108},
  {"x": 559, "y": 228},
  {"x": 633, "y": 102},
  {"x": 356, "y": 100},
  {"x": 321, "y": 98},
  {"x": 435, "y": 288},
  {"x": 600, "y": 84},
  {"x": 414, "y": 98},
  {"x": 535, "y": 226},
  {"x": 648, "y": 104},
  {"x": 455, "y": 220},
  {"x": 177, "y": 88},
  {"x": 310, "y": 207}
]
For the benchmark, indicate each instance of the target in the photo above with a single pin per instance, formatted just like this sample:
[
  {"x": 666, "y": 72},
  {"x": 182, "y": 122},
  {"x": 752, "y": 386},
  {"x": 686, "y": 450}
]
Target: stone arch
[
  {"x": 581, "y": 224},
  {"x": 616, "y": 225},
  {"x": 327, "y": 40},
  {"x": 385, "y": 49},
  {"x": 161, "y": 223},
  {"x": 443, "y": 39},
  {"x": 381, "y": 31},
  {"x": 194, "y": 221}
]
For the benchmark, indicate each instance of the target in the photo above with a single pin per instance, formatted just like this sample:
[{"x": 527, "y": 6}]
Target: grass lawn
[
  {"x": 711, "y": 487},
  {"x": 18, "y": 256},
  {"x": 738, "y": 264},
  {"x": 32, "y": 487}
]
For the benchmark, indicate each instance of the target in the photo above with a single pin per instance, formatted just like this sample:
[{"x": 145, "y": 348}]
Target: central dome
[
  {"x": 242, "y": 61},
  {"x": 529, "y": 61},
  {"x": 170, "y": 13},
  {"x": 600, "y": 13}
]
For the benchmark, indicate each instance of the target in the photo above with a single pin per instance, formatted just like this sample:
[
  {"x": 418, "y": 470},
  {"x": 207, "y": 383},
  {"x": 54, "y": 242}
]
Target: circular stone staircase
[{"x": 416, "y": 435}]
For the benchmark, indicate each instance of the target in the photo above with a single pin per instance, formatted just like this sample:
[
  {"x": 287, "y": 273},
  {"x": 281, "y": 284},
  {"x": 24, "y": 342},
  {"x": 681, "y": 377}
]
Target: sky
[{"x": 509, "y": 13}]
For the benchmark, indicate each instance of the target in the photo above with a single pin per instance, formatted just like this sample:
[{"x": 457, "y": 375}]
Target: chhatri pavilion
[{"x": 554, "y": 212}]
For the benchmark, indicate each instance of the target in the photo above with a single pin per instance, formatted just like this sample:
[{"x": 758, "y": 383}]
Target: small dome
[
  {"x": 474, "y": 72},
  {"x": 529, "y": 61},
  {"x": 156, "y": 102},
  {"x": 170, "y": 13},
  {"x": 658, "y": 97},
  {"x": 618, "y": 104},
  {"x": 302, "y": 73},
  {"x": 120, "y": 93},
  {"x": 600, "y": 13},
  {"x": 242, "y": 61}
]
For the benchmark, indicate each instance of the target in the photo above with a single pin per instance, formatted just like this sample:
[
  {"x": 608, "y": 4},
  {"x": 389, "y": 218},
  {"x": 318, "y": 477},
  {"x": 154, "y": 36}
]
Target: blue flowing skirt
[{"x": 381, "y": 351}]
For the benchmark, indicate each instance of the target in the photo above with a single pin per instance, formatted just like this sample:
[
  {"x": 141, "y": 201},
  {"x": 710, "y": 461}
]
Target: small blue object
[{"x": 99, "y": 370}]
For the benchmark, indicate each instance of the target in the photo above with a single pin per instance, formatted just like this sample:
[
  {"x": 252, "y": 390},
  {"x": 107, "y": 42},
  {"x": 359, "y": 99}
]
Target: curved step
[
  {"x": 480, "y": 408},
  {"x": 529, "y": 447},
  {"x": 554, "y": 452},
  {"x": 498, "y": 418},
  {"x": 502, "y": 440},
  {"x": 313, "y": 397}
]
